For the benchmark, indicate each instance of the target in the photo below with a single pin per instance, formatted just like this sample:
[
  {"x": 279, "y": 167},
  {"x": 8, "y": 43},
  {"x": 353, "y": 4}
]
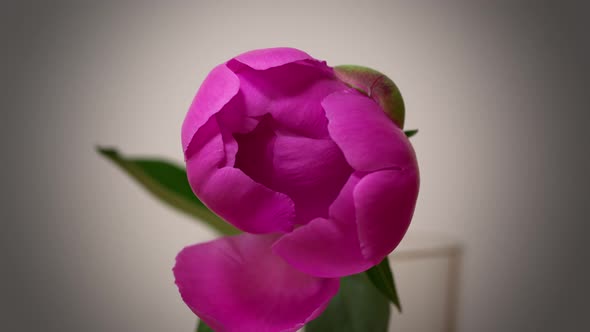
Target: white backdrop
[{"x": 496, "y": 92}]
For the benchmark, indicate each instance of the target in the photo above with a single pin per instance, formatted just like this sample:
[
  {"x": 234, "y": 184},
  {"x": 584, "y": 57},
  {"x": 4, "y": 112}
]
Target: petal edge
[
  {"x": 218, "y": 88},
  {"x": 237, "y": 284},
  {"x": 246, "y": 204},
  {"x": 368, "y": 138},
  {"x": 384, "y": 203},
  {"x": 266, "y": 58}
]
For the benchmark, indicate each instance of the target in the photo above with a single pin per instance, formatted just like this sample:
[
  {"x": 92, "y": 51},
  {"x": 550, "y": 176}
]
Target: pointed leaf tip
[
  {"x": 202, "y": 327},
  {"x": 410, "y": 133},
  {"x": 382, "y": 278},
  {"x": 106, "y": 151}
]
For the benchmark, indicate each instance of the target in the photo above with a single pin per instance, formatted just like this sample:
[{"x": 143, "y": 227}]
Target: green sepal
[{"x": 377, "y": 86}]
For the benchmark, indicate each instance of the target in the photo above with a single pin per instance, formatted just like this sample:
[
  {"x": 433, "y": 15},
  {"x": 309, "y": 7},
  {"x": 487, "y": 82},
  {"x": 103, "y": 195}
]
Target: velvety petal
[
  {"x": 303, "y": 113},
  {"x": 327, "y": 247},
  {"x": 271, "y": 57},
  {"x": 310, "y": 171},
  {"x": 232, "y": 120},
  {"x": 229, "y": 192},
  {"x": 342, "y": 209},
  {"x": 368, "y": 138},
  {"x": 255, "y": 151},
  {"x": 323, "y": 248},
  {"x": 292, "y": 94},
  {"x": 217, "y": 90},
  {"x": 238, "y": 284},
  {"x": 246, "y": 204},
  {"x": 384, "y": 203},
  {"x": 206, "y": 154}
]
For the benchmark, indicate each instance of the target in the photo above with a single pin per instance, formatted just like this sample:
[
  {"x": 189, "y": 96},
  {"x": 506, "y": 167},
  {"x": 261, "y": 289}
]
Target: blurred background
[{"x": 498, "y": 90}]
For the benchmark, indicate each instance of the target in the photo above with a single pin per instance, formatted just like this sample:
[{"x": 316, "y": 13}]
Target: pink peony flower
[{"x": 322, "y": 181}]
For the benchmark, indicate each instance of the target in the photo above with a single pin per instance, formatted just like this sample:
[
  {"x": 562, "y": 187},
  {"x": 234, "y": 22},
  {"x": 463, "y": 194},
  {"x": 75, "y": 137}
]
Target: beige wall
[{"x": 499, "y": 94}]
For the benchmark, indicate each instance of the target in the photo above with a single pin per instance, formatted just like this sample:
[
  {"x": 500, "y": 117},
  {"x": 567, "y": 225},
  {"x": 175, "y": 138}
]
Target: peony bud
[{"x": 313, "y": 163}]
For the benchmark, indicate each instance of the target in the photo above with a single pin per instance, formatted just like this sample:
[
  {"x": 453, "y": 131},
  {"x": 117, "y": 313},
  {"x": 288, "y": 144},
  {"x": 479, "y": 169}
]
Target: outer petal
[
  {"x": 246, "y": 204},
  {"x": 237, "y": 284},
  {"x": 384, "y": 203},
  {"x": 229, "y": 192},
  {"x": 217, "y": 90},
  {"x": 291, "y": 93},
  {"x": 368, "y": 138},
  {"x": 323, "y": 248},
  {"x": 271, "y": 57},
  {"x": 327, "y": 247},
  {"x": 206, "y": 154}
]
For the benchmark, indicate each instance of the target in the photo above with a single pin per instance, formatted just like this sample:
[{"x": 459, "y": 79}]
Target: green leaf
[
  {"x": 358, "y": 307},
  {"x": 410, "y": 133},
  {"x": 377, "y": 86},
  {"x": 382, "y": 277},
  {"x": 167, "y": 182},
  {"x": 202, "y": 327}
]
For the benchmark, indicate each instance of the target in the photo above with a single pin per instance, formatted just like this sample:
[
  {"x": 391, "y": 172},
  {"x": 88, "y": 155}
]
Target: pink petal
[
  {"x": 255, "y": 151},
  {"x": 206, "y": 154},
  {"x": 233, "y": 120},
  {"x": 368, "y": 138},
  {"x": 323, "y": 248},
  {"x": 302, "y": 113},
  {"x": 248, "y": 205},
  {"x": 310, "y": 171},
  {"x": 237, "y": 284},
  {"x": 342, "y": 208},
  {"x": 384, "y": 202},
  {"x": 271, "y": 57},
  {"x": 217, "y": 90},
  {"x": 292, "y": 94},
  {"x": 229, "y": 192},
  {"x": 327, "y": 247}
]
